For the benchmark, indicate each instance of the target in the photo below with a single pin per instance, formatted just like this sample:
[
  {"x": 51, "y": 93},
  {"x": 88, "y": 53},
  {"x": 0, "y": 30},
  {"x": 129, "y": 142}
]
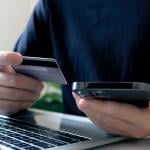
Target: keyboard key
[
  {"x": 65, "y": 139},
  {"x": 32, "y": 148},
  {"x": 44, "y": 145},
  {"x": 54, "y": 142},
  {"x": 21, "y": 144},
  {"x": 79, "y": 138}
]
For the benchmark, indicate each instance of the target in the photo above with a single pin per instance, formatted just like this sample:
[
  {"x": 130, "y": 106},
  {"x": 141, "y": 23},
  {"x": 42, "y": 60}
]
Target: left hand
[{"x": 116, "y": 118}]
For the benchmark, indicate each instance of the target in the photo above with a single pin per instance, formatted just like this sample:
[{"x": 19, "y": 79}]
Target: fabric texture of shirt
[{"x": 92, "y": 40}]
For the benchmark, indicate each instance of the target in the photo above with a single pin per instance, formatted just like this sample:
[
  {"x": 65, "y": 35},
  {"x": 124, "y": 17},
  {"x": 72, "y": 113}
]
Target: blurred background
[{"x": 14, "y": 15}]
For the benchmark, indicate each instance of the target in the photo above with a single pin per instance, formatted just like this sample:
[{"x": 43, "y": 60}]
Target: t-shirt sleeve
[{"x": 36, "y": 39}]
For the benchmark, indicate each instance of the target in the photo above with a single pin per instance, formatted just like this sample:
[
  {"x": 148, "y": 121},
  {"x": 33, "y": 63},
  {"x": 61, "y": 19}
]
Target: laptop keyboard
[{"x": 18, "y": 135}]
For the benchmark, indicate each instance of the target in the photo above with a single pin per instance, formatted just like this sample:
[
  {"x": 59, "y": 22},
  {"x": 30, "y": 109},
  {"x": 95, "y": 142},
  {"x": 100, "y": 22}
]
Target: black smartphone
[
  {"x": 43, "y": 69},
  {"x": 135, "y": 93}
]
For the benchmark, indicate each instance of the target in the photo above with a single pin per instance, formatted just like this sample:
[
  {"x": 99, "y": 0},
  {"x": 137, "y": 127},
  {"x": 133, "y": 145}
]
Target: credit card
[{"x": 43, "y": 69}]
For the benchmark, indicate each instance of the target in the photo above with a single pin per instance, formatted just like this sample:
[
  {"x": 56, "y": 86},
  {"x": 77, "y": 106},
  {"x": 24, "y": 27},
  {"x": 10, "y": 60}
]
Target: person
[{"x": 92, "y": 41}]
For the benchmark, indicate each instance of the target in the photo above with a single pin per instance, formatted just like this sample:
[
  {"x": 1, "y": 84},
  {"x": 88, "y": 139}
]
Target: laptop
[
  {"x": 41, "y": 130},
  {"x": 46, "y": 131}
]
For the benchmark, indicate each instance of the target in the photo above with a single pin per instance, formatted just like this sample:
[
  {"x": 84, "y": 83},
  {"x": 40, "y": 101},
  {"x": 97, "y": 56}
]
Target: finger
[
  {"x": 122, "y": 111},
  {"x": 7, "y": 69},
  {"x": 7, "y": 106},
  {"x": 116, "y": 126},
  {"x": 20, "y": 82},
  {"x": 10, "y": 58},
  {"x": 17, "y": 94}
]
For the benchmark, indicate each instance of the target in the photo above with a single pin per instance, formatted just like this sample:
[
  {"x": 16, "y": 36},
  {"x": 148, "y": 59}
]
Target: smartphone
[
  {"x": 43, "y": 69},
  {"x": 135, "y": 93}
]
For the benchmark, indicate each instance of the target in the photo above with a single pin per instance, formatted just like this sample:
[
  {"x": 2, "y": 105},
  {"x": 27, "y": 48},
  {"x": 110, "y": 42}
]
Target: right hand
[{"x": 17, "y": 92}]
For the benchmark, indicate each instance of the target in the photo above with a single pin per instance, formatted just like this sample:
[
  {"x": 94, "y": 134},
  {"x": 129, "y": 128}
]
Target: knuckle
[{"x": 82, "y": 106}]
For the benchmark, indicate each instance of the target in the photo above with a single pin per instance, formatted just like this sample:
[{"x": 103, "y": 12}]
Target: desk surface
[{"x": 143, "y": 144}]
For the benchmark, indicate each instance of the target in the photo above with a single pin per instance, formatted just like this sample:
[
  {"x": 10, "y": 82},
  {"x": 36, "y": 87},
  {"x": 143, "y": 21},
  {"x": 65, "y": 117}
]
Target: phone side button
[{"x": 101, "y": 94}]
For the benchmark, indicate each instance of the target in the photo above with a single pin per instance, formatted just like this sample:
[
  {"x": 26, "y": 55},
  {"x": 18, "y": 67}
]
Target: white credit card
[{"x": 43, "y": 69}]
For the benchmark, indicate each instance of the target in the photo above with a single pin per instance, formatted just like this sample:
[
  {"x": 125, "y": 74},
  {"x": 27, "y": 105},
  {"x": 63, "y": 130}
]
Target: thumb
[{"x": 10, "y": 58}]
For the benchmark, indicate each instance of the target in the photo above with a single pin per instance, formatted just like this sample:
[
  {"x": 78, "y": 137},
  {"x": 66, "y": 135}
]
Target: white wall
[
  {"x": 32, "y": 4},
  {"x": 14, "y": 15}
]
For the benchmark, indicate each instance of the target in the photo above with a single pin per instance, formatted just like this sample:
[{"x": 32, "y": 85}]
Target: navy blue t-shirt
[{"x": 92, "y": 40}]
